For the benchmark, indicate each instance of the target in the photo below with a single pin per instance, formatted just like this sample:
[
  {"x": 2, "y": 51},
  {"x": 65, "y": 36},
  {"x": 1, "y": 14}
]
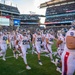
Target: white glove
[{"x": 51, "y": 43}]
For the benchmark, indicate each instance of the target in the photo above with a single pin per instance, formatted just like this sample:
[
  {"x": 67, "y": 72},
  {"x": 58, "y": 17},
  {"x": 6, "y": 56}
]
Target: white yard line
[
  {"x": 44, "y": 55},
  {"x": 8, "y": 57},
  {"x": 21, "y": 71}
]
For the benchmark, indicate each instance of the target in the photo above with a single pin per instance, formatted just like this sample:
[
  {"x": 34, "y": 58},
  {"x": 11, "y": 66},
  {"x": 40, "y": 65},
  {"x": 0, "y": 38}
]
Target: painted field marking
[
  {"x": 8, "y": 57},
  {"x": 21, "y": 71}
]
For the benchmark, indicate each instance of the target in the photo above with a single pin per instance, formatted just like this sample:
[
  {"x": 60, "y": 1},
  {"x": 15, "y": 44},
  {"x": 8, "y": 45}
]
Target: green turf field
[{"x": 14, "y": 66}]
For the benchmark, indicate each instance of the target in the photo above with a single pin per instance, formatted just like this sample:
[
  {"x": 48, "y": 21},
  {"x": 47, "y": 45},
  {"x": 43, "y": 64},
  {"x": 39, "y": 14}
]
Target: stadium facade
[
  {"x": 59, "y": 12},
  {"x": 19, "y": 19}
]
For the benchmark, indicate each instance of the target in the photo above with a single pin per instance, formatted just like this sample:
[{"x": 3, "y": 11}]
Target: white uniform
[
  {"x": 44, "y": 41},
  {"x": 3, "y": 45},
  {"x": 50, "y": 38},
  {"x": 68, "y": 58},
  {"x": 12, "y": 40},
  {"x": 49, "y": 46},
  {"x": 24, "y": 46},
  {"x": 33, "y": 46},
  {"x": 38, "y": 41},
  {"x": 9, "y": 41},
  {"x": 29, "y": 38},
  {"x": 61, "y": 46},
  {"x": 18, "y": 38}
]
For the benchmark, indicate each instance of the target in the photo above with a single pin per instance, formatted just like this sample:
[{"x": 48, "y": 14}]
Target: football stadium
[{"x": 37, "y": 37}]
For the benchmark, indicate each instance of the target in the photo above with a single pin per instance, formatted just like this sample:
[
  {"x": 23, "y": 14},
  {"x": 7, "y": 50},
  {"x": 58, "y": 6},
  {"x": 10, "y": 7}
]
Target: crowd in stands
[
  {"x": 64, "y": 13},
  {"x": 61, "y": 18},
  {"x": 14, "y": 13},
  {"x": 29, "y": 17},
  {"x": 60, "y": 9},
  {"x": 9, "y": 8}
]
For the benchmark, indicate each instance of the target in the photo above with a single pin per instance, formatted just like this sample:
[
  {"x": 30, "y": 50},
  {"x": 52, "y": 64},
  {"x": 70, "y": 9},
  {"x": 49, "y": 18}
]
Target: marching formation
[{"x": 41, "y": 41}]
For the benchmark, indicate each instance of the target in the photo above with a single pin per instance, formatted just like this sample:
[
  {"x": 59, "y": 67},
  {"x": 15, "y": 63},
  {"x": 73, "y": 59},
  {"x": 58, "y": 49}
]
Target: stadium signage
[
  {"x": 58, "y": 22},
  {"x": 4, "y": 21},
  {"x": 16, "y": 22}
]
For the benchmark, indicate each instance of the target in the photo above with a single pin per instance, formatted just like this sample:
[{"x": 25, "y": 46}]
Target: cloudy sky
[{"x": 25, "y": 6}]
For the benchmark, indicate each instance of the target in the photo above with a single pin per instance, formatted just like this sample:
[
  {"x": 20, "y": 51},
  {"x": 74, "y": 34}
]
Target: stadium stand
[
  {"x": 60, "y": 14},
  {"x": 9, "y": 9},
  {"x": 61, "y": 18},
  {"x": 61, "y": 9},
  {"x": 13, "y": 13},
  {"x": 28, "y": 19}
]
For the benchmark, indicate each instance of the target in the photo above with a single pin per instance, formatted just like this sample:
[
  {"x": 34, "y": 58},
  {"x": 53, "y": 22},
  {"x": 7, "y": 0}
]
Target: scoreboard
[
  {"x": 4, "y": 21},
  {"x": 16, "y": 22}
]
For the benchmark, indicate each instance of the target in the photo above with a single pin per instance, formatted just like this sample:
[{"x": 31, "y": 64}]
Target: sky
[{"x": 25, "y": 6}]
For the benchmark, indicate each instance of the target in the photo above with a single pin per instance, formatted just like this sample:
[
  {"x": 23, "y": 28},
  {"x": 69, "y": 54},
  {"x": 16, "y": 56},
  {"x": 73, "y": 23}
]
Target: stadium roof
[
  {"x": 32, "y": 15},
  {"x": 10, "y": 9},
  {"x": 54, "y": 2}
]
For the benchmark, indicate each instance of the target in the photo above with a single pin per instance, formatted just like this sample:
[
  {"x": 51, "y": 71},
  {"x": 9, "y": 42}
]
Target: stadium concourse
[{"x": 28, "y": 49}]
